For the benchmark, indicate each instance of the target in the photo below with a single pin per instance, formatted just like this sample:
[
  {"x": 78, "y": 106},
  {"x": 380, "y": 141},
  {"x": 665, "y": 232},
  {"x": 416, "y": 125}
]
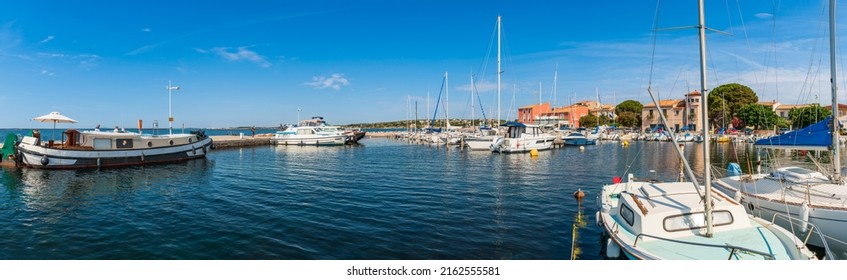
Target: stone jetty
[{"x": 235, "y": 141}]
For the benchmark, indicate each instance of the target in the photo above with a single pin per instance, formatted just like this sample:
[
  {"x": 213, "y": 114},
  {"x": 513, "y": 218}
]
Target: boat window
[
  {"x": 102, "y": 144},
  {"x": 696, "y": 220},
  {"x": 627, "y": 214}
]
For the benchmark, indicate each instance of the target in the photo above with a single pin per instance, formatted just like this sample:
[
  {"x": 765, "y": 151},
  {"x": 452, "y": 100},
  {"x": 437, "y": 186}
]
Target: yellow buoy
[
  {"x": 625, "y": 143},
  {"x": 533, "y": 152}
]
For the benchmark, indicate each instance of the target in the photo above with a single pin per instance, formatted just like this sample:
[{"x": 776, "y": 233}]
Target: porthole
[
  {"x": 171, "y": 142},
  {"x": 149, "y": 144}
]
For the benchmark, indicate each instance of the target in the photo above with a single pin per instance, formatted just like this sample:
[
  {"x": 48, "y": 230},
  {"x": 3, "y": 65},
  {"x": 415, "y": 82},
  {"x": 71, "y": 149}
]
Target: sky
[{"x": 267, "y": 63}]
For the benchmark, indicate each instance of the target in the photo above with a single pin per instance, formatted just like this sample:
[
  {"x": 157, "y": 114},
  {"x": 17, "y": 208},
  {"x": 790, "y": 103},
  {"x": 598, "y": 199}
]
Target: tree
[
  {"x": 628, "y": 119},
  {"x": 727, "y": 100},
  {"x": 588, "y": 120},
  {"x": 629, "y": 106},
  {"x": 805, "y": 116},
  {"x": 758, "y": 116}
]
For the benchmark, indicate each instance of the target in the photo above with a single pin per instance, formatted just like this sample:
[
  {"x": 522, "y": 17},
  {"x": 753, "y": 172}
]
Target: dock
[{"x": 235, "y": 141}]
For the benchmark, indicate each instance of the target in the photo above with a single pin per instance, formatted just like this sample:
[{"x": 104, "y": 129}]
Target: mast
[
  {"x": 707, "y": 172},
  {"x": 498, "y": 70},
  {"x": 555, "y": 82},
  {"x": 836, "y": 151},
  {"x": 446, "y": 101},
  {"x": 472, "y": 106},
  {"x": 538, "y": 115},
  {"x": 599, "y": 108}
]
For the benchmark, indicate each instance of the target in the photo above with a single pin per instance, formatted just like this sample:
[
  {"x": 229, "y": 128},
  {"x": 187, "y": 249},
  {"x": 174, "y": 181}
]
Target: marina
[
  {"x": 242, "y": 164},
  {"x": 307, "y": 202}
]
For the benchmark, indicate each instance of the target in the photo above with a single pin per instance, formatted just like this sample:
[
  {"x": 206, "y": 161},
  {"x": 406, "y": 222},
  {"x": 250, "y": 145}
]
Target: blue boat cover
[
  {"x": 514, "y": 124},
  {"x": 814, "y": 137}
]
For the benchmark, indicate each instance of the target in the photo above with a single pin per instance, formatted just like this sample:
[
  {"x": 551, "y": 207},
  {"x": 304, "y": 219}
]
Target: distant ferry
[{"x": 96, "y": 149}]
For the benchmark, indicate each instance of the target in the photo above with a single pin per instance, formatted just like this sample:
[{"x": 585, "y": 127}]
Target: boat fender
[
  {"x": 804, "y": 216},
  {"x": 597, "y": 219},
  {"x": 193, "y": 150},
  {"x": 142, "y": 156},
  {"x": 98, "y": 162},
  {"x": 45, "y": 160},
  {"x": 613, "y": 251},
  {"x": 204, "y": 149}
]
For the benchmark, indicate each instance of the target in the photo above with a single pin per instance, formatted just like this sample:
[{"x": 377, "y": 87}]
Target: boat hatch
[{"x": 797, "y": 174}]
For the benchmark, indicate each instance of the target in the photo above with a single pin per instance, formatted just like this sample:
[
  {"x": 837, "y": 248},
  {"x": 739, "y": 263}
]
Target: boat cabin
[{"x": 648, "y": 209}]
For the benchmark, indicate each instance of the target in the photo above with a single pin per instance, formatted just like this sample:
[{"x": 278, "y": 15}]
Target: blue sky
[{"x": 257, "y": 62}]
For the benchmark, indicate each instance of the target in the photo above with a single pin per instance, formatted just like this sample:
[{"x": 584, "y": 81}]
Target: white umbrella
[{"x": 54, "y": 117}]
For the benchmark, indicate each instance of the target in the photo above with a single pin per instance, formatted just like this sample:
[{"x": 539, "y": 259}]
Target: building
[
  {"x": 568, "y": 116},
  {"x": 842, "y": 110},
  {"x": 783, "y": 109},
  {"x": 680, "y": 114},
  {"x": 531, "y": 114},
  {"x": 565, "y": 116}
]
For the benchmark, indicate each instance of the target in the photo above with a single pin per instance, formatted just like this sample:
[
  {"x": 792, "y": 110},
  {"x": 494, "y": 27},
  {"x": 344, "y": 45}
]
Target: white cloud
[
  {"x": 336, "y": 81},
  {"x": 53, "y": 55},
  {"x": 764, "y": 15},
  {"x": 241, "y": 53},
  {"x": 146, "y": 29},
  {"x": 48, "y": 39},
  {"x": 47, "y": 73},
  {"x": 144, "y": 49},
  {"x": 481, "y": 86},
  {"x": 199, "y": 50}
]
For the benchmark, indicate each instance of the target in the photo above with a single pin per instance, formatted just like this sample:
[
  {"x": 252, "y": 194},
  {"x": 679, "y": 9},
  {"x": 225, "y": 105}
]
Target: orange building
[{"x": 532, "y": 114}]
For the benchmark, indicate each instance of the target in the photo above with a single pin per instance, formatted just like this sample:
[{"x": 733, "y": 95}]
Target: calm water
[{"x": 385, "y": 199}]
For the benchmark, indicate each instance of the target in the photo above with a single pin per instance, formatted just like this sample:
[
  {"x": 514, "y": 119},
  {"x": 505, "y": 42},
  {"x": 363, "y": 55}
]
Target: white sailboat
[
  {"x": 815, "y": 201},
  {"x": 483, "y": 142},
  {"x": 683, "y": 220}
]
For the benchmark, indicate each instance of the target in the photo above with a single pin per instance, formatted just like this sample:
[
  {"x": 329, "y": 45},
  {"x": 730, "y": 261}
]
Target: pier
[{"x": 232, "y": 141}]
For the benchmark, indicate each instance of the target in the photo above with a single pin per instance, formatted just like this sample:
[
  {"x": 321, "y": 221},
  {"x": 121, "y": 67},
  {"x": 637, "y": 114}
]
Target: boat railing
[
  {"x": 810, "y": 228},
  {"x": 731, "y": 248}
]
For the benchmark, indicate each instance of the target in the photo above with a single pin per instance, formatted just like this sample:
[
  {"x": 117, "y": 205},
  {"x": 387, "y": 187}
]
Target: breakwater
[{"x": 227, "y": 141}]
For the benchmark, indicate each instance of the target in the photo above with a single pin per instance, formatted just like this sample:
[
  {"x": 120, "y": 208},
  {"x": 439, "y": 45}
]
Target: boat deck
[{"x": 825, "y": 195}]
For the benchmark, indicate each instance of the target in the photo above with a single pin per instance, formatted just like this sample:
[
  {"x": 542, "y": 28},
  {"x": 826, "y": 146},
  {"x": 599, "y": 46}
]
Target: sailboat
[
  {"x": 483, "y": 142},
  {"x": 815, "y": 202},
  {"x": 683, "y": 220}
]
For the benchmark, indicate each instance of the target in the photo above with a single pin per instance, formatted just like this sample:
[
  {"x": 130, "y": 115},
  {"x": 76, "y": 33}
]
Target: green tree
[
  {"x": 726, "y": 100},
  {"x": 758, "y": 116},
  {"x": 805, "y": 116},
  {"x": 628, "y": 119},
  {"x": 629, "y": 106},
  {"x": 588, "y": 120}
]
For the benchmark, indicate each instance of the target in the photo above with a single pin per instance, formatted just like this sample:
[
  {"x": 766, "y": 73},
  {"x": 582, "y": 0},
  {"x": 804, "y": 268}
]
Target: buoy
[
  {"x": 45, "y": 160},
  {"x": 804, "y": 216},
  {"x": 582, "y": 148},
  {"x": 579, "y": 195},
  {"x": 625, "y": 143},
  {"x": 613, "y": 251},
  {"x": 533, "y": 152}
]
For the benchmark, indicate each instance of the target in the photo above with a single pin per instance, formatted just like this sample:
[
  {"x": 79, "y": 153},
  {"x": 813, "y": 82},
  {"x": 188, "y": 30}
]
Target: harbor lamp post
[
  {"x": 170, "y": 116},
  {"x": 298, "y": 117}
]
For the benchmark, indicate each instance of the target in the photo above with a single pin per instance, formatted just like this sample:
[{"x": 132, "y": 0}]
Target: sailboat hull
[{"x": 768, "y": 198}]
